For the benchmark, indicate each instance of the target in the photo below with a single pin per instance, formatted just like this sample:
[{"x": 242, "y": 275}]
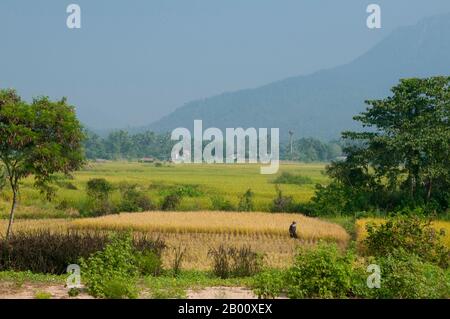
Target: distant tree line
[{"x": 121, "y": 144}]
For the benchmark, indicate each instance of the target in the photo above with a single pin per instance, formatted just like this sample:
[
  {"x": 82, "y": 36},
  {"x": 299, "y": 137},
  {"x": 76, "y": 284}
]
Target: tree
[
  {"x": 404, "y": 157},
  {"x": 37, "y": 139}
]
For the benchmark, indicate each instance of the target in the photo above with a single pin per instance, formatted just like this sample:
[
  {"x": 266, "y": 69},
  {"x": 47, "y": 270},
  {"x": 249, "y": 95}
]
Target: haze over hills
[{"x": 322, "y": 104}]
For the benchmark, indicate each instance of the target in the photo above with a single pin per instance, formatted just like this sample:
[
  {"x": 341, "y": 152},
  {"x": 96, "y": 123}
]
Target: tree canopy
[
  {"x": 40, "y": 139},
  {"x": 402, "y": 158}
]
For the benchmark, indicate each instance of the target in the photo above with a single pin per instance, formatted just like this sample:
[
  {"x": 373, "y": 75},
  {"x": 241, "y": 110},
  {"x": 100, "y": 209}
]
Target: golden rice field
[
  {"x": 217, "y": 223},
  {"x": 199, "y": 231},
  {"x": 361, "y": 231}
]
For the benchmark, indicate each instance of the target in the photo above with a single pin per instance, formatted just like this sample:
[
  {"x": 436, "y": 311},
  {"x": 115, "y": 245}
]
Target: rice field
[
  {"x": 236, "y": 223},
  {"x": 199, "y": 231},
  {"x": 209, "y": 180}
]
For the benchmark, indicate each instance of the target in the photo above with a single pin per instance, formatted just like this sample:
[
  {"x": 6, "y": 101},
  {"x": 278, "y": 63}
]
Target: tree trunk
[
  {"x": 11, "y": 215},
  {"x": 430, "y": 184}
]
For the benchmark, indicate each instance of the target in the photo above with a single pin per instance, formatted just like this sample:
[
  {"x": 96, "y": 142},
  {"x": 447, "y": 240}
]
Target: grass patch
[{"x": 167, "y": 286}]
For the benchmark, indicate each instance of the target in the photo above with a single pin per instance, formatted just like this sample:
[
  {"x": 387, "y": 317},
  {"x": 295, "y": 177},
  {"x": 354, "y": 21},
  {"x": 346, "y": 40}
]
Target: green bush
[
  {"x": 235, "y": 262},
  {"x": 405, "y": 275},
  {"x": 120, "y": 288},
  {"x": 282, "y": 203},
  {"x": 149, "y": 263},
  {"x": 246, "y": 201},
  {"x": 220, "y": 203},
  {"x": 134, "y": 200},
  {"x": 411, "y": 233},
  {"x": 269, "y": 284},
  {"x": 98, "y": 191},
  {"x": 289, "y": 178},
  {"x": 171, "y": 202},
  {"x": 98, "y": 188},
  {"x": 106, "y": 272},
  {"x": 323, "y": 272}
]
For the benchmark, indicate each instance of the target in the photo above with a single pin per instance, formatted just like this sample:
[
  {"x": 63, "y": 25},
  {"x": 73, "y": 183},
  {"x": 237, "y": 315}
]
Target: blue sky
[{"x": 137, "y": 60}]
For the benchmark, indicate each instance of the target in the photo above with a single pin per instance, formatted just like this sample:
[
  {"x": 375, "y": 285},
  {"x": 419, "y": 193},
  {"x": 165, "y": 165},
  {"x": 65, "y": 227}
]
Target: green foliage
[
  {"x": 38, "y": 139},
  {"x": 171, "y": 202},
  {"x": 235, "y": 262},
  {"x": 410, "y": 233},
  {"x": 405, "y": 275},
  {"x": 122, "y": 145},
  {"x": 403, "y": 160},
  {"x": 289, "y": 178},
  {"x": 74, "y": 292},
  {"x": 99, "y": 188},
  {"x": 149, "y": 263},
  {"x": 182, "y": 190},
  {"x": 323, "y": 272},
  {"x": 134, "y": 200},
  {"x": 221, "y": 204},
  {"x": 112, "y": 272},
  {"x": 98, "y": 191},
  {"x": 246, "y": 201},
  {"x": 311, "y": 150},
  {"x": 269, "y": 284},
  {"x": 120, "y": 287},
  {"x": 179, "y": 255},
  {"x": 42, "y": 295},
  {"x": 282, "y": 203}
]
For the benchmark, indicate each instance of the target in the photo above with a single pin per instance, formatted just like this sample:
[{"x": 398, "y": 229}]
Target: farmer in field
[{"x": 293, "y": 230}]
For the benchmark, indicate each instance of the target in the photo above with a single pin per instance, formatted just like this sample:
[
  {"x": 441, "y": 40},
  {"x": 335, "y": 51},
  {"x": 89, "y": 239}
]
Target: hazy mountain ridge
[{"x": 323, "y": 104}]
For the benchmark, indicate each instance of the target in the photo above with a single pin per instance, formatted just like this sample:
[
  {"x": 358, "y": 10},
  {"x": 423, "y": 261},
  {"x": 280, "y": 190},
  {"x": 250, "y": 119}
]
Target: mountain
[{"x": 322, "y": 104}]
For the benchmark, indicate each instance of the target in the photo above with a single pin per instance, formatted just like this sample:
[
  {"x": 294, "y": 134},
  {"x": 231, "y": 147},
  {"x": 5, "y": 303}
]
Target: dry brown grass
[
  {"x": 217, "y": 223},
  {"x": 199, "y": 231}
]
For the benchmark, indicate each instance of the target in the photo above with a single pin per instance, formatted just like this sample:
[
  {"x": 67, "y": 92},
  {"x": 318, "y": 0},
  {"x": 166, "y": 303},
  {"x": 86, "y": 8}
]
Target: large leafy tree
[
  {"x": 37, "y": 139},
  {"x": 404, "y": 155}
]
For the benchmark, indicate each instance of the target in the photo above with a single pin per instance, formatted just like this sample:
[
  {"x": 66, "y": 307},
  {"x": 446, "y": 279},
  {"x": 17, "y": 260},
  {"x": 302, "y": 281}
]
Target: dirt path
[
  {"x": 221, "y": 293},
  {"x": 31, "y": 290}
]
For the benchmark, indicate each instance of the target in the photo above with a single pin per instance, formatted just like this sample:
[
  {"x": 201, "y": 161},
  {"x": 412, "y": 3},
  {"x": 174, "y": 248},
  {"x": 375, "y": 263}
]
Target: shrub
[
  {"x": 282, "y": 203},
  {"x": 323, "y": 272},
  {"x": 120, "y": 288},
  {"x": 98, "y": 188},
  {"x": 171, "y": 202},
  {"x": 246, "y": 201},
  {"x": 179, "y": 254},
  {"x": 235, "y": 262},
  {"x": 98, "y": 191},
  {"x": 134, "y": 200},
  {"x": 405, "y": 275},
  {"x": 46, "y": 252},
  {"x": 411, "y": 233},
  {"x": 111, "y": 272},
  {"x": 220, "y": 203},
  {"x": 42, "y": 295},
  {"x": 183, "y": 190},
  {"x": 269, "y": 284},
  {"x": 149, "y": 263},
  {"x": 289, "y": 178}
]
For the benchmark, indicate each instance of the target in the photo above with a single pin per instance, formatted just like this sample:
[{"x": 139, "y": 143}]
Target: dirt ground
[
  {"x": 30, "y": 291},
  {"x": 221, "y": 293}
]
